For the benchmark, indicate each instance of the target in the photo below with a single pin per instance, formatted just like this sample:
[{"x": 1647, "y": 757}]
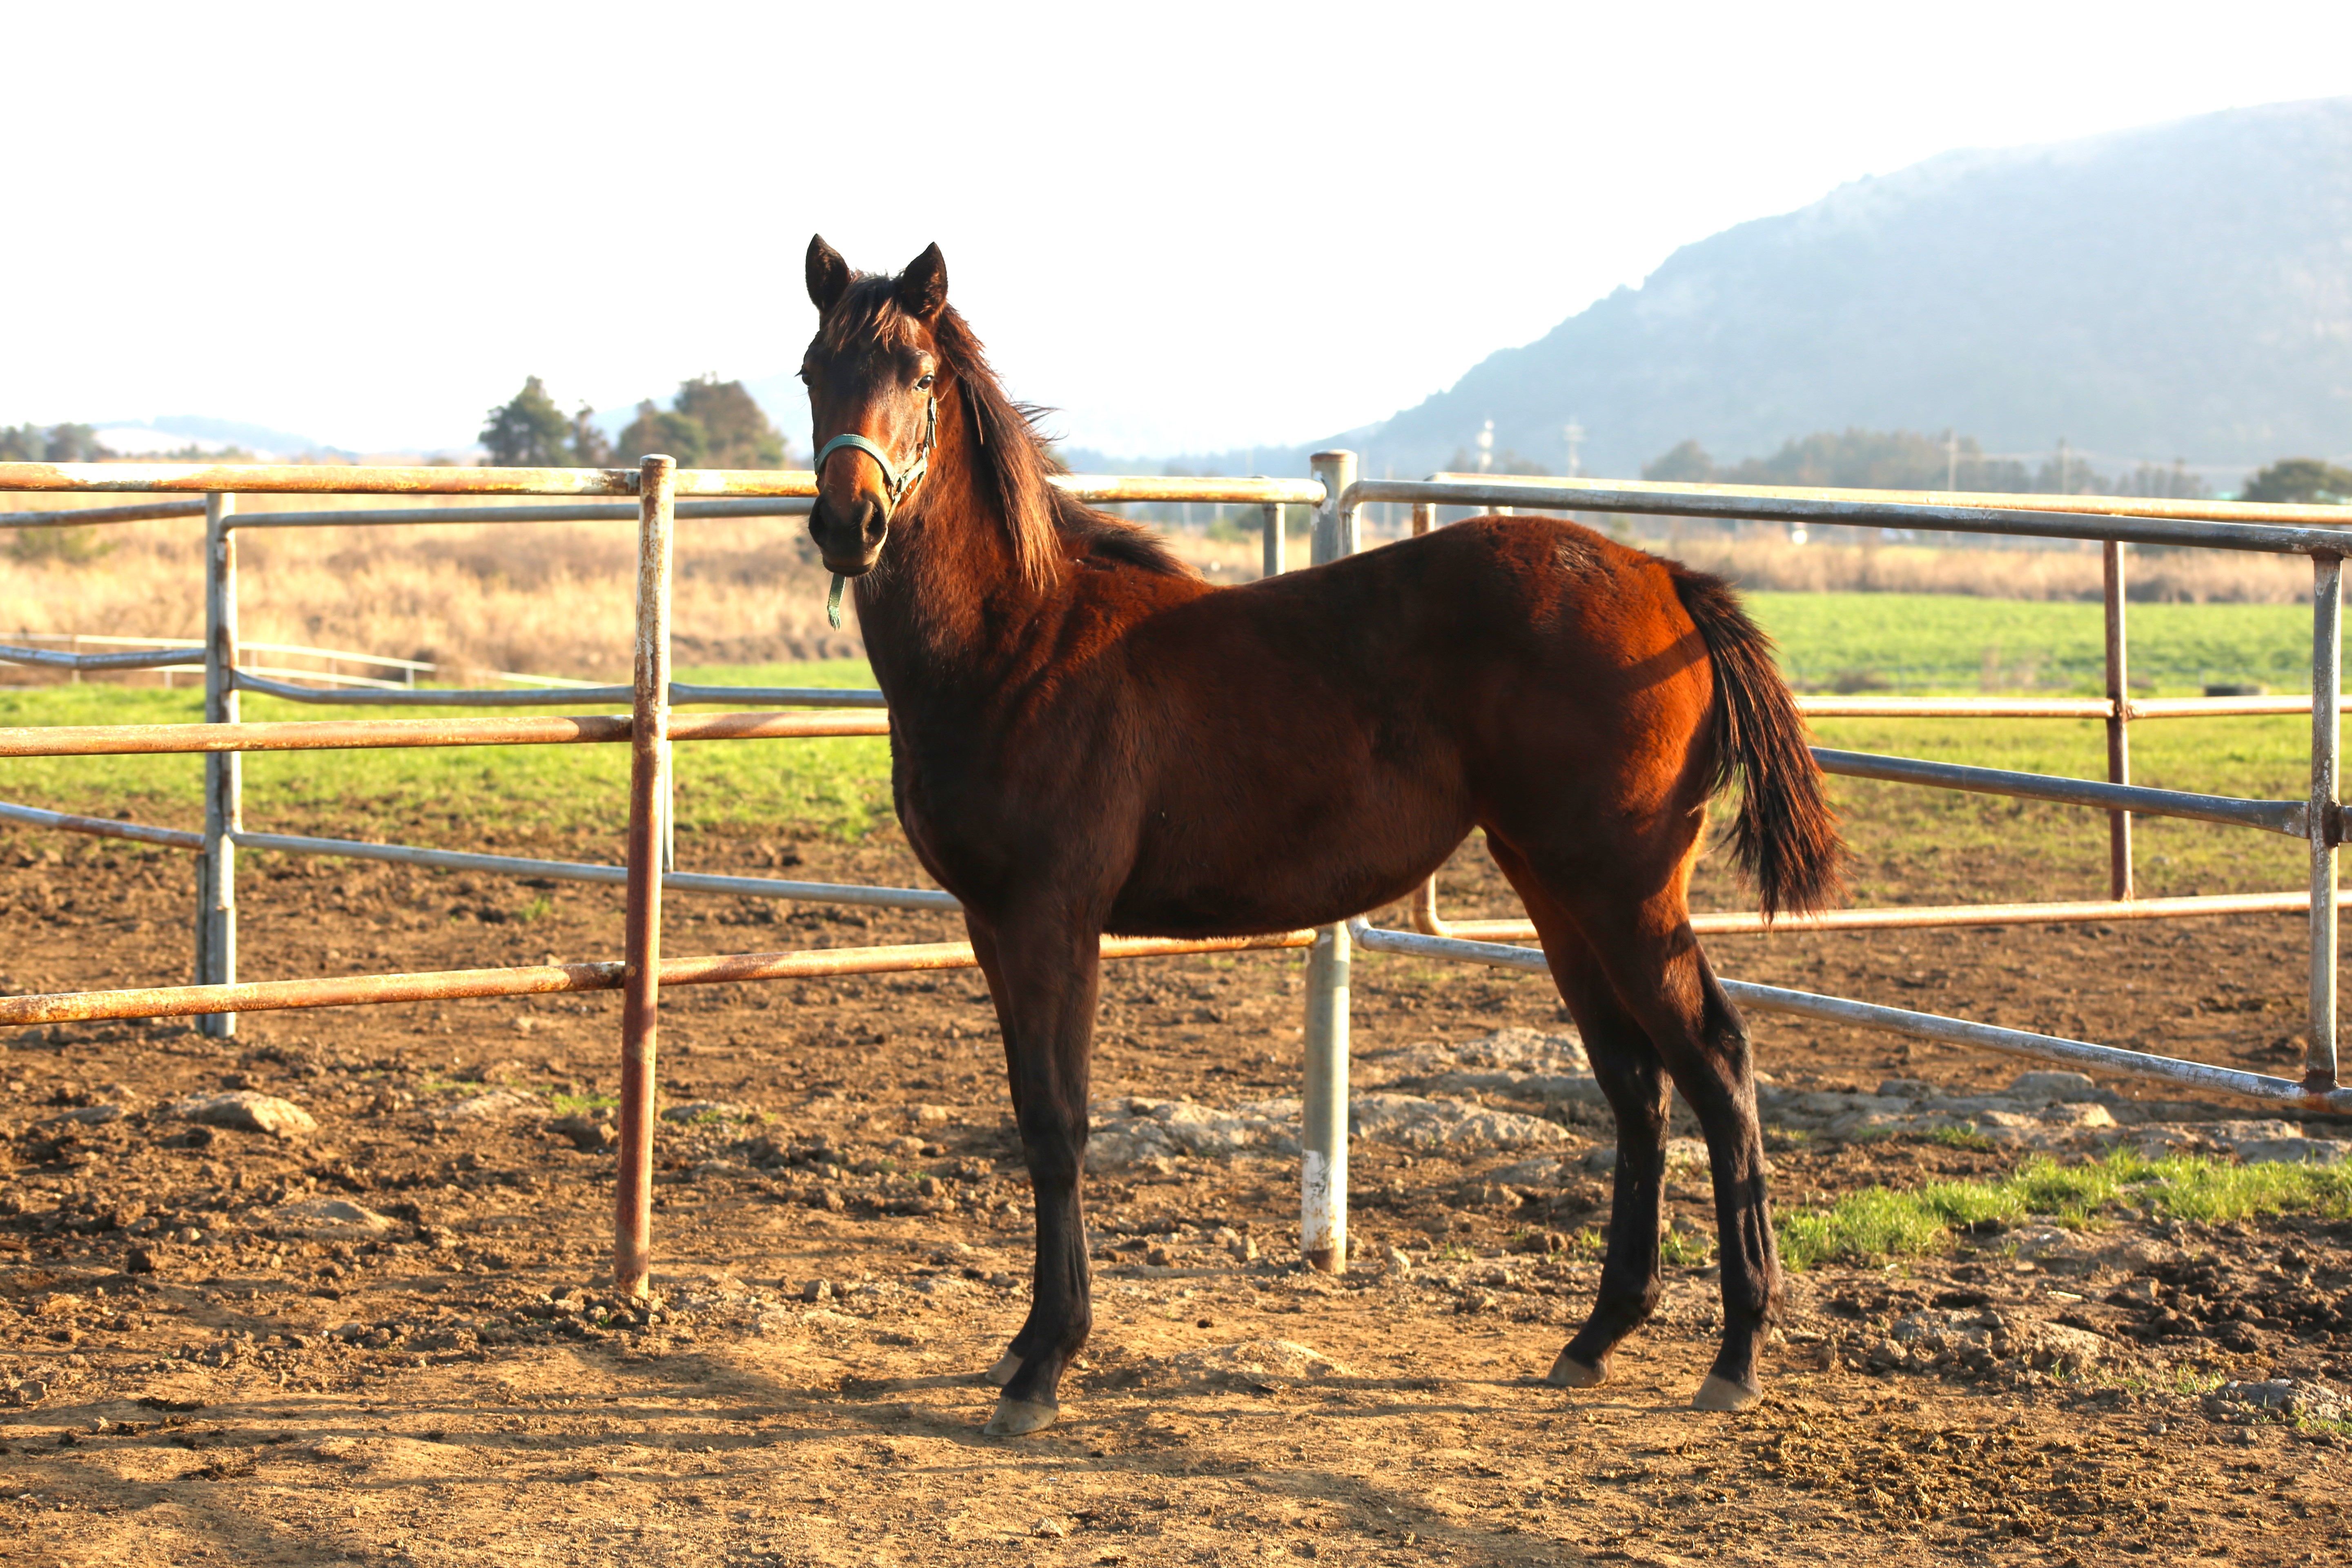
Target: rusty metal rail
[
  {"x": 380, "y": 734},
  {"x": 550, "y": 979}
]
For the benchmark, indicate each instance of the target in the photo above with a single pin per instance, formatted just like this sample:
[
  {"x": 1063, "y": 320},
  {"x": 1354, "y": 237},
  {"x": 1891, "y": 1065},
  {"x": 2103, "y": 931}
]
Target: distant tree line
[
  {"x": 1907, "y": 460},
  {"x": 710, "y": 424},
  {"x": 55, "y": 443},
  {"x": 2305, "y": 481}
]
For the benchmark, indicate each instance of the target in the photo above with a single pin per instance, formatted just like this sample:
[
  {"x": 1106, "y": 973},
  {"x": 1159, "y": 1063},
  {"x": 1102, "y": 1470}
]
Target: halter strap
[
  {"x": 872, "y": 449},
  {"x": 895, "y": 481}
]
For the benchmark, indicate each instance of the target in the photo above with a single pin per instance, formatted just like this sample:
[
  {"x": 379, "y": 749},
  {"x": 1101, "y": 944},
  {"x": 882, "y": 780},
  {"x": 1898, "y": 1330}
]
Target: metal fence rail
[{"x": 2313, "y": 531}]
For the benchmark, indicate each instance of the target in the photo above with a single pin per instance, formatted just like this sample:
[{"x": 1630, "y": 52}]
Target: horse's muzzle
[{"x": 849, "y": 537}]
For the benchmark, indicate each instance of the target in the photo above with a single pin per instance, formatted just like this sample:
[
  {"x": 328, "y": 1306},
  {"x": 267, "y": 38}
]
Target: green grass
[
  {"x": 1949, "y": 642},
  {"x": 838, "y": 786},
  {"x": 1914, "y": 845},
  {"x": 1881, "y": 1223}
]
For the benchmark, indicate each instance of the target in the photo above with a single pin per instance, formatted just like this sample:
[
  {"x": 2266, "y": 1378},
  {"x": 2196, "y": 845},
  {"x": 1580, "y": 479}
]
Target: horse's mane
[{"x": 1009, "y": 458}]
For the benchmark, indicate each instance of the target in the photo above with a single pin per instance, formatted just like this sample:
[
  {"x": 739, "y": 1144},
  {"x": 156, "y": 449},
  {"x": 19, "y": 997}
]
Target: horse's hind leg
[
  {"x": 1634, "y": 1080},
  {"x": 1653, "y": 969}
]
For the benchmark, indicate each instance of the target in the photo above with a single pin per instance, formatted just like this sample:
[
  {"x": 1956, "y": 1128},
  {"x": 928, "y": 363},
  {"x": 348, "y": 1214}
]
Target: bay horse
[{"x": 1087, "y": 737}]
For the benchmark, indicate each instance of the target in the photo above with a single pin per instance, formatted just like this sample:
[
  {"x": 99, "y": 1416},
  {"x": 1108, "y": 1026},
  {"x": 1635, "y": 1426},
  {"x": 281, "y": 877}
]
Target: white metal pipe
[
  {"x": 2220, "y": 525},
  {"x": 224, "y": 771},
  {"x": 2326, "y": 742},
  {"x": 573, "y": 870},
  {"x": 1323, "y": 1138},
  {"x": 1866, "y": 1015}
]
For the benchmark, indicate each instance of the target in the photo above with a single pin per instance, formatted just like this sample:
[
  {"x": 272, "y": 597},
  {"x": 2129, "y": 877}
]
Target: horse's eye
[
  {"x": 924, "y": 384},
  {"x": 806, "y": 379}
]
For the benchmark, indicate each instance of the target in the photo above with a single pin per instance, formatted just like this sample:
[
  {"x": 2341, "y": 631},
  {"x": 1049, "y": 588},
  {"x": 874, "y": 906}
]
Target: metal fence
[{"x": 651, "y": 729}]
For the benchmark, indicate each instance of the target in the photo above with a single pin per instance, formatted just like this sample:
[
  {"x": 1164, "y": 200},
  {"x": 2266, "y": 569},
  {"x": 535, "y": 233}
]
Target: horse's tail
[{"x": 1785, "y": 838}]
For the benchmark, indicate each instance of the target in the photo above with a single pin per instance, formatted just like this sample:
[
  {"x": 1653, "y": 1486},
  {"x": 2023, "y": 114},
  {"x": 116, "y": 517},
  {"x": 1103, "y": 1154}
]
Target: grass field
[
  {"x": 1944, "y": 642},
  {"x": 1913, "y": 845}
]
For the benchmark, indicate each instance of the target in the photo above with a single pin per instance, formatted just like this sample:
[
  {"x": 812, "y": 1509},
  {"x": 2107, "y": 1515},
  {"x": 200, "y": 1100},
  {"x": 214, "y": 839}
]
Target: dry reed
[
  {"x": 545, "y": 598},
  {"x": 2151, "y": 576},
  {"x": 557, "y": 598}
]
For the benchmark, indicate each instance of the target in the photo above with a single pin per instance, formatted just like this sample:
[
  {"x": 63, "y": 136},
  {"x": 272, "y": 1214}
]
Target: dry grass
[
  {"x": 544, "y": 598},
  {"x": 557, "y": 598},
  {"x": 2167, "y": 577}
]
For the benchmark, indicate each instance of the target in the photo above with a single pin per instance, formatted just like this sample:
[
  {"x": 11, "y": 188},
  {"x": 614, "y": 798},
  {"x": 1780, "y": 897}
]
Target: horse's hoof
[
  {"x": 1720, "y": 1393},
  {"x": 1002, "y": 1372},
  {"x": 1016, "y": 1417},
  {"x": 1570, "y": 1373}
]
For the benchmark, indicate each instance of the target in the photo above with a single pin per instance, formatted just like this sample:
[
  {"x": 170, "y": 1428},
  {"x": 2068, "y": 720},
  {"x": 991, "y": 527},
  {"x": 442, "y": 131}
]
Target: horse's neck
[{"x": 953, "y": 603}]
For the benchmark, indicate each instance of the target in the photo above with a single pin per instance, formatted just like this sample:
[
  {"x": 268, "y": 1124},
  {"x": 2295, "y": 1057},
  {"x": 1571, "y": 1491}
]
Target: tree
[
  {"x": 2300, "y": 480},
  {"x": 1685, "y": 462},
  {"x": 73, "y": 443},
  {"x": 589, "y": 448},
  {"x": 659, "y": 429},
  {"x": 737, "y": 428},
  {"x": 21, "y": 444},
  {"x": 529, "y": 432}
]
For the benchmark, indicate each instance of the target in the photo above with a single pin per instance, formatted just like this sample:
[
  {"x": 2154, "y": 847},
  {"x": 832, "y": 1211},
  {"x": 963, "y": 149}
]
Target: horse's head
[{"x": 872, "y": 372}]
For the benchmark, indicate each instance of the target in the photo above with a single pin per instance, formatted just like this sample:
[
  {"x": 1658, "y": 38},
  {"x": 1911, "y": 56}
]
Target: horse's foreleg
[
  {"x": 984, "y": 947},
  {"x": 1046, "y": 995}
]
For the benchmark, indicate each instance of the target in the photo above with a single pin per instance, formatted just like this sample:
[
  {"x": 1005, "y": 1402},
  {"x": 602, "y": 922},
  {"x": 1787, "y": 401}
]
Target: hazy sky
[{"x": 1186, "y": 226}]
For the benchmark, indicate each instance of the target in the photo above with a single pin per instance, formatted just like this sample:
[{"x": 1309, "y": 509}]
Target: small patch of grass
[
  {"x": 581, "y": 1104},
  {"x": 1685, "y": 1251},
  {"x": 1961, "y": 1138},
  {"x": 1880, "y": 1223}
]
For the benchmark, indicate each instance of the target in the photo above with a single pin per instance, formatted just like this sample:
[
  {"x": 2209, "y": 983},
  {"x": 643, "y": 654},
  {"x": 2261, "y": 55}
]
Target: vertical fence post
[
  {"x": 1323, "y": 1140},
  {"x": 2120, "y": 845},
  {"x": 2326, "y": 828},
  {"x": 1271, "y": 562},
  {"x": 633, "y": 1177},
  {"x": 224, "y": 771}
]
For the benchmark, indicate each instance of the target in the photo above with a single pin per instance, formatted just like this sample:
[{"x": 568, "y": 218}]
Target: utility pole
[
  {"x": 2064, "y": 465},
  {"x": 1575, "y": 434},
  {"x": 1951, "y": 459},
  {"x": 1486, "y": 448}
]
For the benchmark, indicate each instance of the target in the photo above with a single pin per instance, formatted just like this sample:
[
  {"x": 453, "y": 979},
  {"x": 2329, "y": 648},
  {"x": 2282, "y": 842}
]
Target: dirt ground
[{"x": 390, "y": 1337}]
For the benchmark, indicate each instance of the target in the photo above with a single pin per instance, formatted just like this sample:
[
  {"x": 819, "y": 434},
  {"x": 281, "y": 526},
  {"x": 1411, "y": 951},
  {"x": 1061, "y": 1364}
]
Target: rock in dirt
[
  {"x": 332, "y": 1219},
  {"x": 245, "y": 1110},
  {"x": 1260, "y": 1360},
  {"x": 2293, "y": 1151},
  {"x": 84, "y": 1116},
  {"x": 2055, "y": 1089},
  {"x": 1684, "y": 1152},
  {"x": 2288, "y": 1396},
  {"x": 705, "y": 1110},
  {"x": 1135, "y": 1131},
  {"x": 586, "y": 1133},
  {"x": 1444, "y": 1124},
  {"x": 496, "y": 1104},
  {"x": 2054, "y": 1347}
]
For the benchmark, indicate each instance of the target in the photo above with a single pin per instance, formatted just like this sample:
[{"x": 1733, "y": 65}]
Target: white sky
[{"x": 1186, "y": 226}]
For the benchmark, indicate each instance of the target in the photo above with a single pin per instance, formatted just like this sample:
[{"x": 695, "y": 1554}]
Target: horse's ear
[
  {"x": 922, "y": 289},
  {"x": 828, "y": 275}
]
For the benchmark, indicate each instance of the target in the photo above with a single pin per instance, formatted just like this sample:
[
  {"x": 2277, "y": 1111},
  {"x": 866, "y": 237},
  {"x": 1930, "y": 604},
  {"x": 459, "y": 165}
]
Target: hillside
[{"x": 2179, "y": 290}]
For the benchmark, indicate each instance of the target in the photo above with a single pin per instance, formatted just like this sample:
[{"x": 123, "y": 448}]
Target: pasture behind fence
[{"x": 651, "y": 729}]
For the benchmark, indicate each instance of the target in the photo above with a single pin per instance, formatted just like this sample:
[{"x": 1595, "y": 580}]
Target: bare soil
[{"x": 203, "y": 1360}]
